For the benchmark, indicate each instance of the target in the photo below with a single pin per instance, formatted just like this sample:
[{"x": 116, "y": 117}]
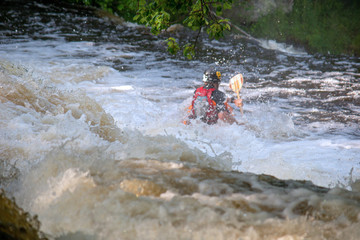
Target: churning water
[{"x": 92, "y": 140}]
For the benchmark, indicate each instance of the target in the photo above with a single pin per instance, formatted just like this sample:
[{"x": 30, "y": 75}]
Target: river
[{"x": 92, "y": 139}]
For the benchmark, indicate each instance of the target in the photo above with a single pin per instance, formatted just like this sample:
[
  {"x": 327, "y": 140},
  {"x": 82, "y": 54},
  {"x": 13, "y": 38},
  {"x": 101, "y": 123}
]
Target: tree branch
[{"x": 245, "y": 34}]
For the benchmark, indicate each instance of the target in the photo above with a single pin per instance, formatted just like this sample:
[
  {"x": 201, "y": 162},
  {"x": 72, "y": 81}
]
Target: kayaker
[{"x": 209, "y": 104}]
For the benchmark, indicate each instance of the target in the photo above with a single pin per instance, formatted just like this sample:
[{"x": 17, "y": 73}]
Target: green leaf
[
  {"x": 189, "y": 51},
  {"x": 136, "y": 17},
  {"x": 173, "y": 46},
  {"x": 227, "y": 5}
]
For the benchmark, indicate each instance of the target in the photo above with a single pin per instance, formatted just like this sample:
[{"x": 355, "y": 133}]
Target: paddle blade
[{"x": 236, "y": 82}]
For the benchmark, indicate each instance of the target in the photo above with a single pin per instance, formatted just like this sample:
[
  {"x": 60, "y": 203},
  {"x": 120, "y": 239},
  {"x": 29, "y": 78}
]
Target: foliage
[
  {"x": 161, "y": 14},
  {"x": 173, "y": 47},
  {"x": 197, "y": 14},
  {"x": 125, "y": 8},
  {"x": 321, "y": 25}
]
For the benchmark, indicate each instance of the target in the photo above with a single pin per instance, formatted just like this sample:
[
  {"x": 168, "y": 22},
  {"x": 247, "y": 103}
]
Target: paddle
[{"x": 235, "y": 84}]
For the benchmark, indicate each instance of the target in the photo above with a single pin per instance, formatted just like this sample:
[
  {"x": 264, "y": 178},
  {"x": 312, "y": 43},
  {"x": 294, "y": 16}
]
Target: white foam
[
  {"x": 282, "y": 47},
  {"x": 67, "y": 181}
]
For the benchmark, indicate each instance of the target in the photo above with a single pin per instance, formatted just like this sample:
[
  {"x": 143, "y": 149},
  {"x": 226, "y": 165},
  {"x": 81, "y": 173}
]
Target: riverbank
[
  {"x": 327, "y": 27},
  {"x": 15, "y": 223}
]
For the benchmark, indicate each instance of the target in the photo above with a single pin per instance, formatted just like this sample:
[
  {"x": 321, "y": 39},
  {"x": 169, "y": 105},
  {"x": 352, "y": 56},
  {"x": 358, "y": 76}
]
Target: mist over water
[{"x": 92, "y": 139}]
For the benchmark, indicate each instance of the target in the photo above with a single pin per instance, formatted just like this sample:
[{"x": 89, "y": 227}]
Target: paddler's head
[{"x": 212, "y": 77}]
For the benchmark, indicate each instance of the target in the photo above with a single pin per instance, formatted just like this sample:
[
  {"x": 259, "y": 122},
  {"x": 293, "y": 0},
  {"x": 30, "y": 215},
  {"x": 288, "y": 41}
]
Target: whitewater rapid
[{"x": 92, "y": 140}]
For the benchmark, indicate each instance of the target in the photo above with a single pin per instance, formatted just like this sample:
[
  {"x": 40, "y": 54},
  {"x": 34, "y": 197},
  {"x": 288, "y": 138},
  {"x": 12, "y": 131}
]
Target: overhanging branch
[{"x": 245, "y": 34}]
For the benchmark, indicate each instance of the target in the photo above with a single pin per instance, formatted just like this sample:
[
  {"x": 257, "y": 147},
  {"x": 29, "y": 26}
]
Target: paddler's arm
[
  {"x": 226, "y": 114},
  {"x": 236, "y": 101}
]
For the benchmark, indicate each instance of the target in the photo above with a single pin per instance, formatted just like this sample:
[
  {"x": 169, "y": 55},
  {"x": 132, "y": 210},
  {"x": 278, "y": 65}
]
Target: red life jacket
[{"x": 203, "y": 106}]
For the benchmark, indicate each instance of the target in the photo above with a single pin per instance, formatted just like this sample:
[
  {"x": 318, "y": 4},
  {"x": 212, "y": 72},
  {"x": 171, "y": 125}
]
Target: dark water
[{"x": 91, "y": 138}]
